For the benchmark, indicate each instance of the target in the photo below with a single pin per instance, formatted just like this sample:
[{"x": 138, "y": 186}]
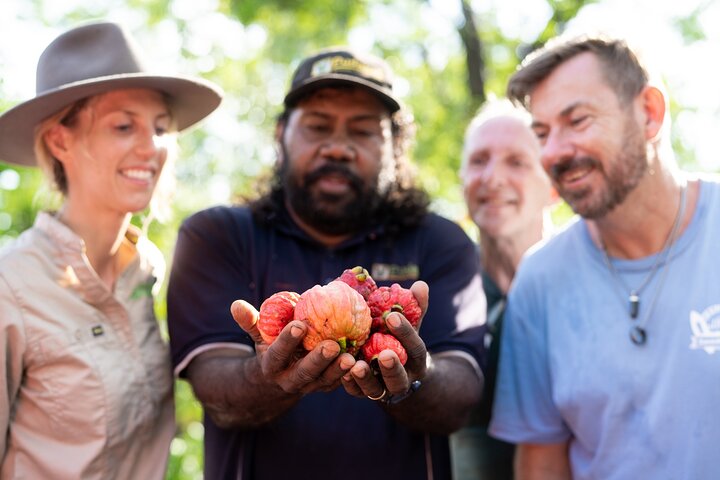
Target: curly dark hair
[{"x": 403, "y": 205}]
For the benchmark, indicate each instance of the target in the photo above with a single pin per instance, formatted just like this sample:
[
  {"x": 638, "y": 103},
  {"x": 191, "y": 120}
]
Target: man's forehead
[
  {"x": 577, "y": 81},
  {"x": 498, "y": 129},
  {"x": 501, "y": 135},
  {"x": 500, "y": 123}
]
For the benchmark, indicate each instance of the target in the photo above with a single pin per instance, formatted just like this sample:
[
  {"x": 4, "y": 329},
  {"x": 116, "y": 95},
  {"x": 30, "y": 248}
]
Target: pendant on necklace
[
  {"x": 634, "y": 300},
  {"x": 638, "y": 335}
]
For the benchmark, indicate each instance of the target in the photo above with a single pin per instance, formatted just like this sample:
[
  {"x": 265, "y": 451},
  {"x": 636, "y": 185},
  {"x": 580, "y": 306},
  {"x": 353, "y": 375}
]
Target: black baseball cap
[{"x": 343, "y": 66}]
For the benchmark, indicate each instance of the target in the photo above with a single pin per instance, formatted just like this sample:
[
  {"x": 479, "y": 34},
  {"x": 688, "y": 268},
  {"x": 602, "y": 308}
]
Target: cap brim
[
  {"x": 336, "y": 79},
  {"x": 191, "y": 100}
]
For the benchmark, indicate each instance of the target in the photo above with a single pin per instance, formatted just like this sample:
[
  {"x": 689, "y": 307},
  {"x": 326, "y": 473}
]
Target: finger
[
  {"x": 322, "y": 386},
  {"x": 281, "y": 353},
  {"x": 330, "y": 378},
  {"x": 393, "y": 373},
  {"x": 351, "y": 386},
  {"x": 369, "y": 384},
  {"x": 246, "y": 316},
  {"x": 407, "y": 335},
  {"x": 311, "y": 368},
  {"x": 410, "y": 340},
  {"x": 421, "y": 291}
]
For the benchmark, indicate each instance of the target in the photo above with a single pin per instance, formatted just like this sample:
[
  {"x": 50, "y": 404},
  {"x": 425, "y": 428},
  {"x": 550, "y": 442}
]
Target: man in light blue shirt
[{"x": 611, "y": 350}]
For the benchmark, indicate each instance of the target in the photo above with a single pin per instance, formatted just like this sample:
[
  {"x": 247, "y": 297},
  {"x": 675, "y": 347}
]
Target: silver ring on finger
[{"x": 379, "y": 397}]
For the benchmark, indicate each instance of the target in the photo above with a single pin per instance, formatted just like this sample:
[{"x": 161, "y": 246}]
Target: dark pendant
[
  {"x": 638, "y": 335},
  {"x": 634, "y": 305}
]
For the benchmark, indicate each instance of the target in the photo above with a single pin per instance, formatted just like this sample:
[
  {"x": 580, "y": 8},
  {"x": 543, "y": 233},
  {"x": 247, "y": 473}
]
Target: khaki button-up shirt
[{"x": 87, "y": 384}]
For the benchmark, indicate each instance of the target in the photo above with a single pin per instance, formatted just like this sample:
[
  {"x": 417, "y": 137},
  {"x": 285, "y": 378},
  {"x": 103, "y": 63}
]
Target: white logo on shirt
[{"x": 705, "y": 327}]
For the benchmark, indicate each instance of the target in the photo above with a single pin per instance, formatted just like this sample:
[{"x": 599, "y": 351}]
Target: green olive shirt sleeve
[{"x": 12, "y": 346}]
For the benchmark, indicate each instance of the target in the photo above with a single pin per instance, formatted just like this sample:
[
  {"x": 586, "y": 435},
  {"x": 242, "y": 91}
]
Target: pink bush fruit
[
  {"x": 394, "y": 298},
  {"x": 334, "y": 311},
  {"x": 383, "y": 341},
  {"x": 275, "y": 312},
  {"x": 359, "y": 279}
]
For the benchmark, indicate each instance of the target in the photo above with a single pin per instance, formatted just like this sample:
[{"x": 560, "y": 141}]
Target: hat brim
[
  {"x": 190, "y": 100},
  {"x": 339, "y": 79}
]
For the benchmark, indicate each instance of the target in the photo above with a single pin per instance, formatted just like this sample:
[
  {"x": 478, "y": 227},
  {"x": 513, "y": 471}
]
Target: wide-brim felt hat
[
  {"x": 89, "y": 60},
  {"x": 338, "y": 66}
]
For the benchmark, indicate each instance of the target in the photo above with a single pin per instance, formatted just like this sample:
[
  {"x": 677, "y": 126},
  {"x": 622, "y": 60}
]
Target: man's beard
[
  {"x": 327, "y": 213},
  {"x": 622, "y": 177}
]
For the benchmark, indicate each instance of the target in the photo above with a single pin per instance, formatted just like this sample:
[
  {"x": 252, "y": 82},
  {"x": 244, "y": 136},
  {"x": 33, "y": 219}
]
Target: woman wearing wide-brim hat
[{"x": 86, "y": 387}]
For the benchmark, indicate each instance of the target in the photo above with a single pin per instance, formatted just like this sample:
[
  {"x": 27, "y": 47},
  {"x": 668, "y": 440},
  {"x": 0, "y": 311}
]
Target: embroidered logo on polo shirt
[
  {"x": 394, "y": 273},
  {"x": 705, "y": 328}
]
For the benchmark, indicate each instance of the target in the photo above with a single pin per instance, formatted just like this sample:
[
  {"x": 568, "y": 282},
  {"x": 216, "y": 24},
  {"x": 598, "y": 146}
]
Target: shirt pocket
[
  {"x": 63, "y": 382},
  {"x": 131, "y": 409}
]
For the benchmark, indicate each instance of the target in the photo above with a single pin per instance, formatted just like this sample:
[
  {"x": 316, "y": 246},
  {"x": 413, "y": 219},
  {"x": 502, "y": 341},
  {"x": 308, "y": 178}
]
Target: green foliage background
[{"x": 254, "y": 66}]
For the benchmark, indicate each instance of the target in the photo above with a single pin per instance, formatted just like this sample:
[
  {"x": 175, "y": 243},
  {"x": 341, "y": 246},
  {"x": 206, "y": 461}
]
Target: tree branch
[{"x": 473, "y": 53}]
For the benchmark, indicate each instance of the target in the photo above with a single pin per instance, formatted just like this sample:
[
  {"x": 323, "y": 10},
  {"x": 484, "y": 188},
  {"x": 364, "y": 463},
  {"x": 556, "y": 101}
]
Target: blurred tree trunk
[
  {"x": 473, "y": 54},
  {"x": 563, "y": 11}
]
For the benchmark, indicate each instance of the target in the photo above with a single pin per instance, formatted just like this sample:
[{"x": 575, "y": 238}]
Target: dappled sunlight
[{"x": 252, "y": 62}]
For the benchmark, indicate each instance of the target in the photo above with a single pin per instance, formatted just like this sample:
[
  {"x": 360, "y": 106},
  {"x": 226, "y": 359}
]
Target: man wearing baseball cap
[{"x": 342, "y": 195}]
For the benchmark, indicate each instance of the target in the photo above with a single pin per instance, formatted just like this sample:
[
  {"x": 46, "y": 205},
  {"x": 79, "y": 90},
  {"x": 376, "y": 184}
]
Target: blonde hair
[
  {"x": 160, "y": 207},
  {"x": 51, "y": 166}
]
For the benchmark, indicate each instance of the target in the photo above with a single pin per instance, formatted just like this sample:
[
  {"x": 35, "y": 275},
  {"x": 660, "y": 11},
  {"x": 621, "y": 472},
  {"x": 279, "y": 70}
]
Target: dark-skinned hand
[
  {"x": 392, "y": 378},
  {"x": 286, "y": 363}
]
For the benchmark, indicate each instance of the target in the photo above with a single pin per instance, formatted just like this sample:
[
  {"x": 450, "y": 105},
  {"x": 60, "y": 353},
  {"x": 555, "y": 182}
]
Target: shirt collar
[{"x": 70, "y": 257}]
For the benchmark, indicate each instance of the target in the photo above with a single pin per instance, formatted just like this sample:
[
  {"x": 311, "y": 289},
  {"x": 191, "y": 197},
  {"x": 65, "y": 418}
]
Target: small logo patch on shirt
[
  {"x": 394, "y": 273},
  {"x": 705, "y": 328},
  {"x": 98, "y": 330}
]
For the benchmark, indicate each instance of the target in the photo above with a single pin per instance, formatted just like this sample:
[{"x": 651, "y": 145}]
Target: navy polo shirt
[{"x": 223, "y": 255}]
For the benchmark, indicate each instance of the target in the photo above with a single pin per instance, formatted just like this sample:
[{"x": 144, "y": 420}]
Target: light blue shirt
[{"x": 568, "y": 370}]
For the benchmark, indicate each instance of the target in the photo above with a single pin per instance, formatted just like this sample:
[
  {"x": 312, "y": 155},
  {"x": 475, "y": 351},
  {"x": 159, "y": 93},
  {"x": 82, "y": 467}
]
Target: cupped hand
[
  {"x": 391, "y": 377},
  {"x": 286, "y": 363}
]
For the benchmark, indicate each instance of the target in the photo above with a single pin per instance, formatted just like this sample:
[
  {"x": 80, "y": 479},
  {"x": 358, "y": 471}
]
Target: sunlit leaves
[{"x": 690, "y": 27}]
